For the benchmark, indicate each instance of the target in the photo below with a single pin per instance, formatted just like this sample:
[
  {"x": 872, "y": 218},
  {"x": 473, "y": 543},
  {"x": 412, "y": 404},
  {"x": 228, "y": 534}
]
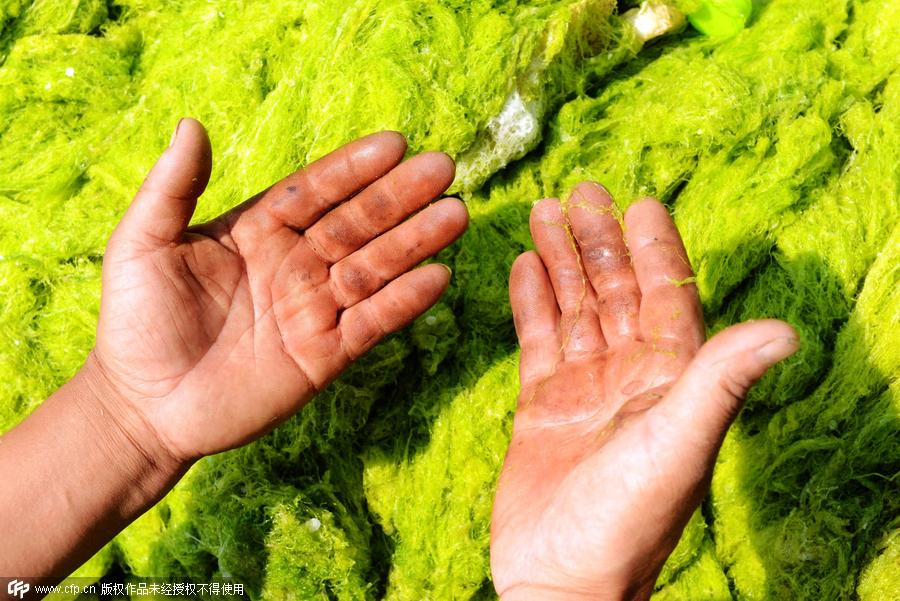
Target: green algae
[
  {"x": 442, "y": 540},
  {"x": 702, "y": 580},
  {"x": 776, "y": 151},
  {"x": 805, "y": 520},
  {"x": 879, "y": 578}
]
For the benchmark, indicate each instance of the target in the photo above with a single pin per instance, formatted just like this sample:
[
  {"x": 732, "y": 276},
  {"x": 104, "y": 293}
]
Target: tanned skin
[
  {"x": 211, "y": 335},
  {"x": 622, "y": 406}
]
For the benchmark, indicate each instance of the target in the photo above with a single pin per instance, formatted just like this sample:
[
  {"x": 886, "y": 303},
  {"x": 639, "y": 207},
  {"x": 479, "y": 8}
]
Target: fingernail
[
  {"x": 775, "y": 350},
  {"x": 449, "y": 271},
  {"x": 175, "y": 133},
  {"x": 600, "y": 188}
]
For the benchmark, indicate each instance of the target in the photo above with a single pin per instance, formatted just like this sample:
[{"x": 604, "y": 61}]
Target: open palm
[
  {"x": 216, "y": 333},
  {"x": 621, "y": 412}
]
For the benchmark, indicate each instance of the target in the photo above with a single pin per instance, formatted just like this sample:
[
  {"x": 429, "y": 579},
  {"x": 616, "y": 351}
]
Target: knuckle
[
  {"x": 605, "y": 257},
  {"x": 334, "y": 237},
  {"x": 312, "y": 188},
  {"x": 376, "y": 321},
  {"x": 354, "y": 281},
  {"x": 735, "y": 387},
  {"x": 618, "y": 304},
  {"x": 381, "y": 206}
]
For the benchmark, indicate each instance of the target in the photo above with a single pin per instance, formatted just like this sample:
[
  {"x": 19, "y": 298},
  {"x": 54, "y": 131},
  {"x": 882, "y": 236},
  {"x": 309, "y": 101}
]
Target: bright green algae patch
[{"x": 776, "y": 150}]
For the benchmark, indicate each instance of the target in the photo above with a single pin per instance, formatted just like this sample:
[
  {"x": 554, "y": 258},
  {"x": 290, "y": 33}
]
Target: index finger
[
  {"x": 670, "y": 305},
  {"x": 301, "y": 198}
]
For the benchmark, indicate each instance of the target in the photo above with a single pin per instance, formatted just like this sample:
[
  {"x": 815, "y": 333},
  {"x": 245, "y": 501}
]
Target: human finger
[
  {"x": 579, "y": 325},
  {"x": 670, "y": 310},
  {"x": 536, "y": 317},
  {"x": 387, "y": 202},
  {"x": 367, "y": 270},
  {"x": 595, "y": 224},
  {"x": 162, "y": 208},
  {"x": 301, "y": 198},
  {"x": 364, "y": 324},
  {"x": 706, "y": 399}
]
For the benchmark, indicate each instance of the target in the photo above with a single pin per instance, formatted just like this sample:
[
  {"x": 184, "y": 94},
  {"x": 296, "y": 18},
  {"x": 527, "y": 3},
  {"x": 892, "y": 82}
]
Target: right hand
[{"x": 622, "y": 406}]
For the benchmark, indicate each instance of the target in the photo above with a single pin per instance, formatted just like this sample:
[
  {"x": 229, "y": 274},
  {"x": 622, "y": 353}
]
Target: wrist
[
  {"x": 121, "y": 435},
  {"x": 85, "y": 465}
]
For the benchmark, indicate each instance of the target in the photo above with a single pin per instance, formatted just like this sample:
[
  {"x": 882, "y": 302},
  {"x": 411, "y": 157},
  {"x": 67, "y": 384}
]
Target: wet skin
[{"x": 622, "y": 407}]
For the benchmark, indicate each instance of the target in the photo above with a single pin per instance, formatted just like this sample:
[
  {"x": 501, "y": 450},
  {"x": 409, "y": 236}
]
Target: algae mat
[{"x": 777, "y": 151}]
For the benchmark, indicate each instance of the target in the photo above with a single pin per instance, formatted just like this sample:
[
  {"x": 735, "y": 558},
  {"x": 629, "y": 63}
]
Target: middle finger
[
  {"x": 579, "y": 325},
  {"x": 366, "y": 271},
  {"x": 401, "y": 192}
]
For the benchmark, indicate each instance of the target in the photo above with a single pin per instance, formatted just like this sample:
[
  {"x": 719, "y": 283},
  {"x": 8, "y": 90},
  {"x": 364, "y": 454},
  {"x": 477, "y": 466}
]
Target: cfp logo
[{"x": 17, "y": 588}]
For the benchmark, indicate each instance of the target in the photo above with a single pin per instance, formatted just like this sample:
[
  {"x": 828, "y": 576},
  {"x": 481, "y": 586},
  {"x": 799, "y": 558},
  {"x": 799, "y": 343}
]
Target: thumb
[
  {"x": 708, "y": 396},
  {"x": 162, "y": 208}
]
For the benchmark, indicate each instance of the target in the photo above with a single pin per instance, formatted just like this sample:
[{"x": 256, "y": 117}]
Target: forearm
[{"x": 74, "y": 473}]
